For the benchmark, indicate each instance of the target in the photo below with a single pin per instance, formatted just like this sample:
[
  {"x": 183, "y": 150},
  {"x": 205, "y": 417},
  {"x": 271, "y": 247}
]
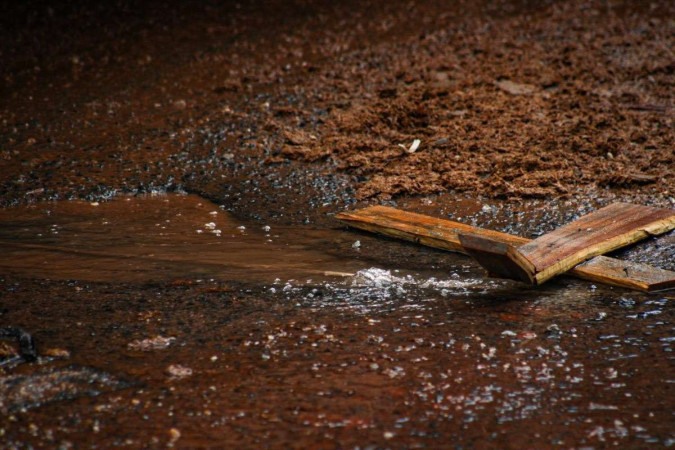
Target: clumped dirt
[
  {"x": 508, "y": 100},
  {"x": 535, "y": 105}
]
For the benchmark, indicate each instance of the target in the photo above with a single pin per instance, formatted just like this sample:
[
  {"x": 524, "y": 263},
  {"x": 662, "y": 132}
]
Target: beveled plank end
[{"x": 500, "y": 259}]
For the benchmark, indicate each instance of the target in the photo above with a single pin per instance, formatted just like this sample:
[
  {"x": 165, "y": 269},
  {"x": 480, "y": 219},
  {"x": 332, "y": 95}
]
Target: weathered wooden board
[
  {"x": 444, "y": 234},
  {"x": 604, "y": 230}
]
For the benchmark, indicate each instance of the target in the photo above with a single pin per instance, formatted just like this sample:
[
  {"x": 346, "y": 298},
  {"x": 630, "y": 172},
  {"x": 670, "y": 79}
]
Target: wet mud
[
  {"x": 384, "y": 359},
  {"x": 168, "y": 180}
]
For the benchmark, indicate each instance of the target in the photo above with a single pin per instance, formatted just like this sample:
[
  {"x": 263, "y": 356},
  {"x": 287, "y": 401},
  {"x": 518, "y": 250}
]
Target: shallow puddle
[
  {"x": 413, "y": 349},
  {"x": 158, "y": 238}
]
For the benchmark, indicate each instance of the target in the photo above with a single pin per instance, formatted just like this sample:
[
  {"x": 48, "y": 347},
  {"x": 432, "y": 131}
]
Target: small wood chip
[
  {"x": 414, "y": 146},
  {"x": 330, "y": 273}
]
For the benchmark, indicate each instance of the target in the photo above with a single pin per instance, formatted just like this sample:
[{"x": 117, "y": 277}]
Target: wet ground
[{"x": 169, "y": 176}]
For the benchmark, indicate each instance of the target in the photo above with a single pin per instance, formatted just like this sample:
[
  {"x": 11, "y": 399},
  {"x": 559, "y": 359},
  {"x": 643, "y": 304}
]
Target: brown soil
[
  {"x": 534, "y": 105},
  {"x": 508, "y": 99}
]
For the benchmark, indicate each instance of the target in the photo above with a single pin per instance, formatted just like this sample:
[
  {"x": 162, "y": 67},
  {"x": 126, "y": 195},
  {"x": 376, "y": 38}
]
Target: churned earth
[{"x": 169, "y": 173}]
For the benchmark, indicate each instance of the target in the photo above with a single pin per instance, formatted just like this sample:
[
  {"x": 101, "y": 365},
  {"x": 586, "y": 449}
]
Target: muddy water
[
  {"x": 157, "y": 238},
  {"x": 222, "y": 340}
]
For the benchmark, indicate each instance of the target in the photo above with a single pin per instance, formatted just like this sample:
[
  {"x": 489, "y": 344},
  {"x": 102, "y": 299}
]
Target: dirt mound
[{"x": 531, "y": 105}]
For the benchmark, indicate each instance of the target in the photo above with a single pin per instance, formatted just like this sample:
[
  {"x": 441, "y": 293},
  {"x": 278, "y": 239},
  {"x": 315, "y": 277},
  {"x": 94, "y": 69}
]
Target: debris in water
[
  {"x": 455, "y": 236},
  {"x": 330, "y": 273},
  {"x": 604, "y": 230},
  {"x": 599, "y": 407},
  {"x": 154, "y": 343},
  {"x": 60, "y": 353},
  {"x": 177, "y": 371}
]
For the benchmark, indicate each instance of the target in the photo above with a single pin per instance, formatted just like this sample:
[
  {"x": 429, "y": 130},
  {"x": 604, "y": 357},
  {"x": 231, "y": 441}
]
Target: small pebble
[
  {"x": 154, "y": 343},
  {"x": 178, "y": 371}
]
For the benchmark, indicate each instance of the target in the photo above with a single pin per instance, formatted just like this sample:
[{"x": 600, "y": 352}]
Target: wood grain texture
[
  {"x": 597, "y": 233},
  {"x": 444, "y": 234},
  {"x": 633, "y": 275}
]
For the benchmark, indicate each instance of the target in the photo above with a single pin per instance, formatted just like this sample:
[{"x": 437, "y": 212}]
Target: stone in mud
[
  {"x": 23, "y": 391},
  {"x": 177, "y": 371}
]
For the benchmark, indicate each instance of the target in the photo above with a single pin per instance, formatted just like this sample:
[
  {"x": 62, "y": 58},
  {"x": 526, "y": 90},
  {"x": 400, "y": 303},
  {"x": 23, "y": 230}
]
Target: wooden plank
[
  {"x": 444, "y": 234},
  {"x": 607, "y": 229},
  {"x": 494, "y": 256},
  {"x": 633, "y": 275}
]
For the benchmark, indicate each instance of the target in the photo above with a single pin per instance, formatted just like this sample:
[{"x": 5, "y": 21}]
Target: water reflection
[{"x": 156, "y": 238}]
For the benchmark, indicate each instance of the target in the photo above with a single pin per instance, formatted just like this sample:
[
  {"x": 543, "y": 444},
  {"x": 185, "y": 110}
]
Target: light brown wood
[
  {"x": 604, "y": 230},
  {"x": 444, "y": 234}
]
